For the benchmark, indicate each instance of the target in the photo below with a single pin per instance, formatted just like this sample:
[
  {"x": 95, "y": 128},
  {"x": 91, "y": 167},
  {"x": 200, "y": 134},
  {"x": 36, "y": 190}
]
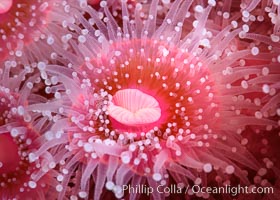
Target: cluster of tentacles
[{"x": 149, "y": 99}]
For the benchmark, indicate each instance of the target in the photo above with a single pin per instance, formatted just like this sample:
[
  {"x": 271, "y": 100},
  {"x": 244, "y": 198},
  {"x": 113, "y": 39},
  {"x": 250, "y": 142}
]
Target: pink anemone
[
  {"x": 30, "y": 29},
  {"x": 201, "y": 88},
  {"x": 21, "y": 177}
]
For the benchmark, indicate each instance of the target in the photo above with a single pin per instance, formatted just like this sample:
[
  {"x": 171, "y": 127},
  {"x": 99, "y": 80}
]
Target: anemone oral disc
[{"x": 133, "y": 107}]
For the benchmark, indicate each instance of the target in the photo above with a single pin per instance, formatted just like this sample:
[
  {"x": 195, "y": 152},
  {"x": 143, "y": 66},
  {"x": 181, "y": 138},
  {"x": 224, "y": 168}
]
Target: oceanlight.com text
[
  {"x": 196, "y": 189},
  {"x": 233, "y": 190}
]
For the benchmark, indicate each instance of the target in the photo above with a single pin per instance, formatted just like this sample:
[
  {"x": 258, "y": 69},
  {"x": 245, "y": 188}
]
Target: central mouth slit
[{"x": 133, "y": 107}]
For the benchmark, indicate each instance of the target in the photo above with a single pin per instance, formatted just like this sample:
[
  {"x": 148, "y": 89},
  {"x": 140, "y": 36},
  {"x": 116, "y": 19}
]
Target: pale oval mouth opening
[{"x": 133, "y": 107}]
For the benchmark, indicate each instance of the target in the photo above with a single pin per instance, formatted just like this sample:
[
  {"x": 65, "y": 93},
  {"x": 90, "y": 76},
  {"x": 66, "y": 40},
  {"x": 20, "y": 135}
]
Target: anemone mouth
[
  {"x": 5, "y": 6},
  {"x": 134, "y": 108}
]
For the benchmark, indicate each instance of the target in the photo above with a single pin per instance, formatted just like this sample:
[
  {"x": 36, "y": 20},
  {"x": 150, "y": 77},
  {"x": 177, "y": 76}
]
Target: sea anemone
[
  {"x": 28, "y": 29},
  {"x": 141, "y": 102},
  {"x": 19, "y": 177}
]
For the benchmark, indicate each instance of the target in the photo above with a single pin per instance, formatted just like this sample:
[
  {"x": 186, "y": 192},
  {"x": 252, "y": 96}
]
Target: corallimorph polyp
[
  {"x": 15, "y": 168},
  {"x": 142, "y": 102},
  {"x": 19, "y": 177},
  {"x": 28, "y": 29}
]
